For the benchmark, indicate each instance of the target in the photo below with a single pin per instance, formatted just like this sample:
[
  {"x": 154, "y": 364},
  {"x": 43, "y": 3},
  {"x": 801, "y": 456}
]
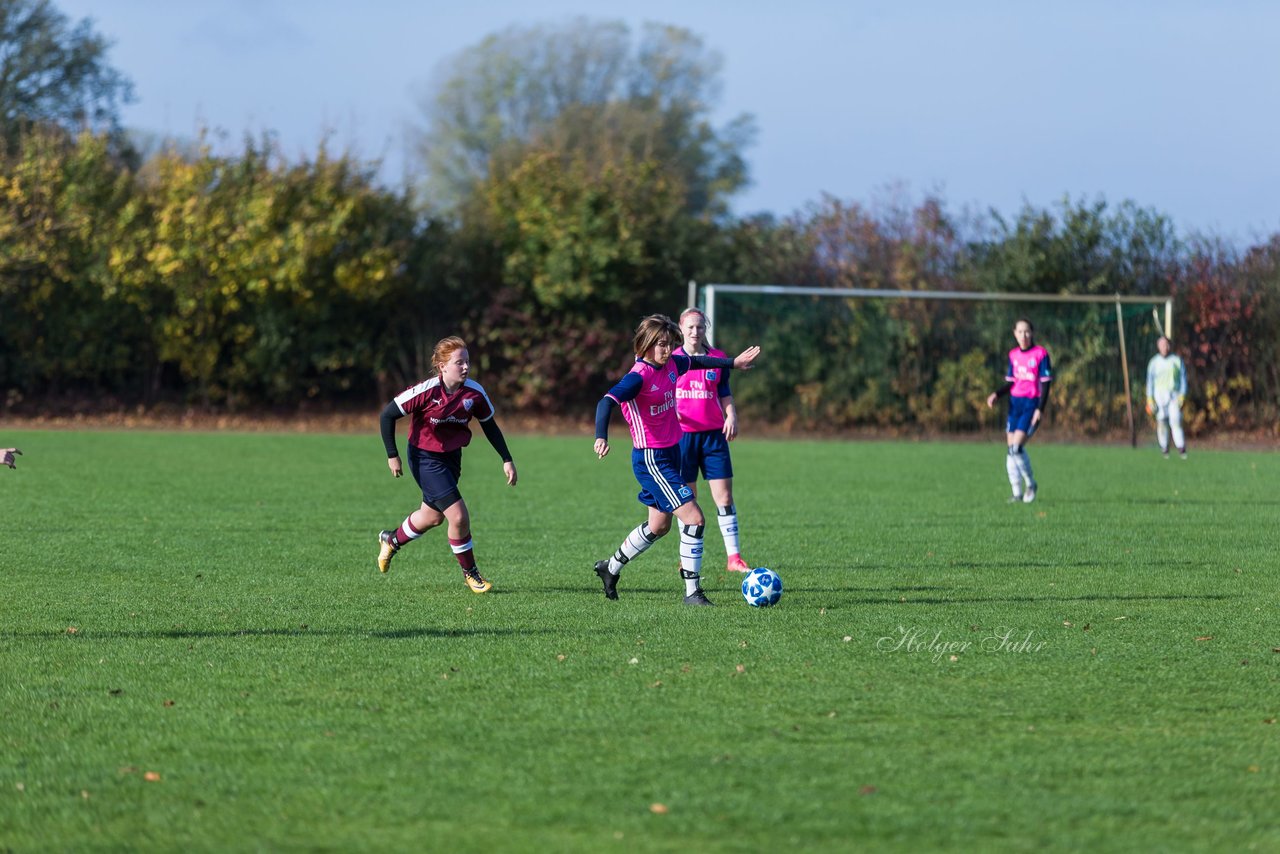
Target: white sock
[
  {"x": 1179, "y": 440},
  {"x": 636, "y": 543},
  {"x": 1015, "y": 476},
  {"x": 1024, "y": 466},
  {"x": 690, "y": 556},
  {"x": 728, "y": 519}
]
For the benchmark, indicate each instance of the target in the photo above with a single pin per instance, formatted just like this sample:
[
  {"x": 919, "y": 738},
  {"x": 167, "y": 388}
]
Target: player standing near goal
[
  {"x": 439, "y": 410},
  {"x": 1027, "y": 383},
  {"x": 647, "y": 395},
  {"x": 708, "y": 423},
  {"x": 1166, "y": 388}
]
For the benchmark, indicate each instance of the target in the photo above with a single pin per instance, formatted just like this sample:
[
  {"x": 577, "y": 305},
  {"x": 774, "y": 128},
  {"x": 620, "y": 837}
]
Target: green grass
[{"x": 206, "y": 607}]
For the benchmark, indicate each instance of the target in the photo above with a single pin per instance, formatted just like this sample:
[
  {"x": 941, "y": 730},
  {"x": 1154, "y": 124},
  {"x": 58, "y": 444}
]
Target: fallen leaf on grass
[
  {"x": 1205, "y": 637},
  {"x": 867, "y": 790},
  {"x": 168, "y": 703},
  {"x": 740, "y": 669},
  {"x": 152, "y": 776},
  {"x": 1268, "y": 720},
  {"x": 71, "y": 630},
  {"x": 658, "y": 809}
]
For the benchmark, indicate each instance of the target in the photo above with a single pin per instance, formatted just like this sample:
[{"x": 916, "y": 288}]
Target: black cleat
[
  {"x": 607, "y": 578},
  {"x": 697, "y": 597}
]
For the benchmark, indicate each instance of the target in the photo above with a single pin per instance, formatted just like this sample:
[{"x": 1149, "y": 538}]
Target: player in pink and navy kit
[
  {"x": 1027, "y": 384},
  {"x": 647, "y": 397},
  {"x": 709, "y": 422},
  {"x": 439, "y": 411}
]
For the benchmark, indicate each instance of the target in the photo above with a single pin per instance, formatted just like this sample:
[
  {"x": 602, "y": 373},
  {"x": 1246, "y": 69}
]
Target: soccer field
[{"x": 198, "y": 653}]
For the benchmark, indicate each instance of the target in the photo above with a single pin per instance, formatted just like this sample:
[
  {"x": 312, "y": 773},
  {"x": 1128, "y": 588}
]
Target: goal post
[{"x": 706, "y": 297}]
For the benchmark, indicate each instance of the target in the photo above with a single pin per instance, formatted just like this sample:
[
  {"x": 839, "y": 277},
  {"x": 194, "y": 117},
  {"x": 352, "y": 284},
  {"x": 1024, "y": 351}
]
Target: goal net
[{"x": 839, "y": 359}]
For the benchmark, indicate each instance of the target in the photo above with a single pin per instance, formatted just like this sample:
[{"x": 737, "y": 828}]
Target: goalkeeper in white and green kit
[{"x": 1166, "y": 387}]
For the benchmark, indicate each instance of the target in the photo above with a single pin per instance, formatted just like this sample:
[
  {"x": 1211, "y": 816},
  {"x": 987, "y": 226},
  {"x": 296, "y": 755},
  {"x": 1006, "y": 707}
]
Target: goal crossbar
[{"x": 710, "y": 290}]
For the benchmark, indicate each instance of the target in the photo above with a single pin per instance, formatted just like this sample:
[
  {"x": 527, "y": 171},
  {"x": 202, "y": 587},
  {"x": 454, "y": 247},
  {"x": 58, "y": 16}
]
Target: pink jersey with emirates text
[
  {"x": 698, "y": 396},
  {"x": 439, "y": 421},
  {"x": 651, "y": 414},
  {"x": 1027, "y": 370}
]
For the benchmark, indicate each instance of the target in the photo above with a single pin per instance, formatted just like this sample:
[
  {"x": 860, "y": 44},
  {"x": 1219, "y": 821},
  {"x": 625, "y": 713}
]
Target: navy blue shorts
[
  {"x": 706, "y": 451},
  {"x": 1020, "y": 411},
  {"x": 658, "y": 472},
  {"x": 437, "y": 475}
]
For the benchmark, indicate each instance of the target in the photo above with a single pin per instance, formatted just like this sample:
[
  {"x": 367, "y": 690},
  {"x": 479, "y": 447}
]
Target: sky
[{"x": 1171, "y": 104}]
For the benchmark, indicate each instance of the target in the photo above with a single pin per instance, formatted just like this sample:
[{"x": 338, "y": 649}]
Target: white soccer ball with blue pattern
[{"x": 762, "y": 588}]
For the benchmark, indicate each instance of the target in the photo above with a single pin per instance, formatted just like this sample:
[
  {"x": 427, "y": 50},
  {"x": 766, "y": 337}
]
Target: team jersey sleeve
[
  {"x": 626, "y": 388},
  {"x": 1008, "y": 371},
  {"x": 1182, "y": 377},
  {"x": 1046, "y": 370},
  {"x": 485, "y": 411},
  {"x": 722, "y": 389},
  {"x": 1151, "y": 379}
]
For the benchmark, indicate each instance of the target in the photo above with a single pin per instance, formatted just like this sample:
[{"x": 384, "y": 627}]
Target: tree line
[{"x": 245, "y": 281}]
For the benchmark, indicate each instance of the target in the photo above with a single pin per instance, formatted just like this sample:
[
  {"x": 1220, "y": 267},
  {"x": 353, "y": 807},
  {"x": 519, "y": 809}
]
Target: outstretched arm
[{"x": 743, "y": 361}]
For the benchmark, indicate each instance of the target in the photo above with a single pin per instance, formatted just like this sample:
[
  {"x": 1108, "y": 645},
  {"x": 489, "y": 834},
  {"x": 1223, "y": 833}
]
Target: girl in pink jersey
[
  {"x": 439, "y": 410},
  {"x": 1027, "y": 382},
  {"x": 647, "y": 396},
  {"x": 709, "y": 422}
]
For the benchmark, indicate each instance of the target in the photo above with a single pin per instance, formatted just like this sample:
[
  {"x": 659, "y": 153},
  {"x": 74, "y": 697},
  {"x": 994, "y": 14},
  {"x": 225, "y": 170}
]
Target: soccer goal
[{"x": 852, "y": 357}]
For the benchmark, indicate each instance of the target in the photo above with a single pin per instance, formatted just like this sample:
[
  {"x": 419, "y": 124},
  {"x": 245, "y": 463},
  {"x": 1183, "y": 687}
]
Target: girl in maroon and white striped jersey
[{"x": 439, "y": 410}]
